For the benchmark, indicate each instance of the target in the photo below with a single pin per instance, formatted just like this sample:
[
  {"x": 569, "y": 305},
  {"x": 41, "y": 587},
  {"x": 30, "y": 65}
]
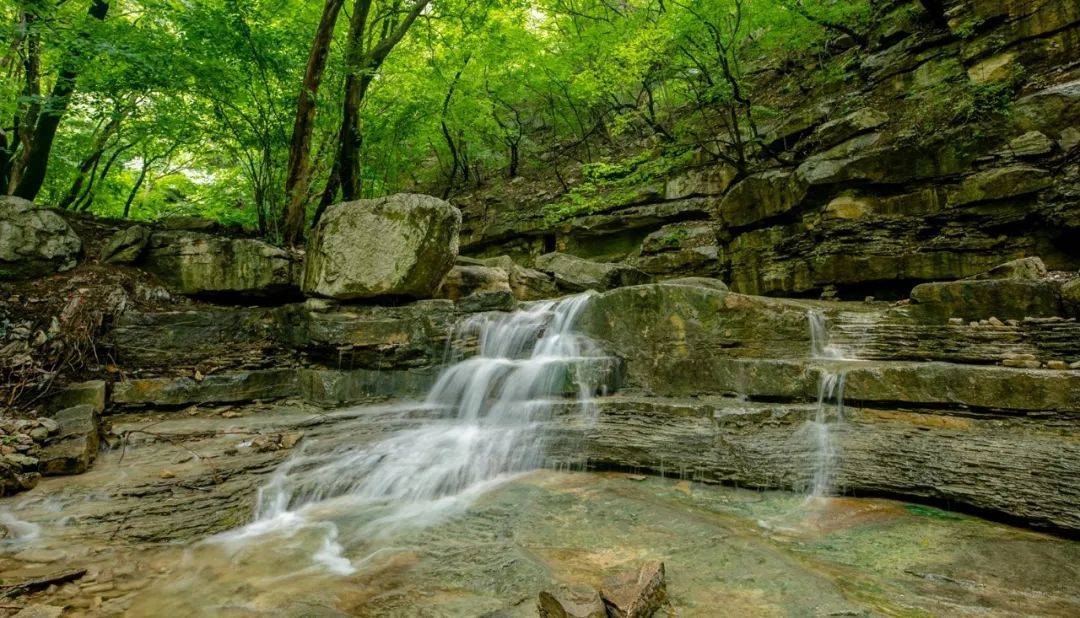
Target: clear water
[{"x": 490, "y": 410}]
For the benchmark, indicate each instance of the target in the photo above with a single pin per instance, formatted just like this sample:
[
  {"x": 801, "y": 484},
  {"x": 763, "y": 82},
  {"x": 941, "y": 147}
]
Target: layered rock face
[
  {"x": 725, "y": 387},
  {"x": 400, "y": 245},
  {"x": 866, "y": 187},
  {"x": 194, "y": 263}
]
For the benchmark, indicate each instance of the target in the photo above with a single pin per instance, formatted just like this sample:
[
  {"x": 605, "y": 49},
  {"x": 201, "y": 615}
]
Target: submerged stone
[{"x": 636, "y": 594}]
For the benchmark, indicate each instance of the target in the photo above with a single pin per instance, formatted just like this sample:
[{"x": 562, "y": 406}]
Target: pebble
[
  {"x": 167, "y": 474},
  {"x": 995, "y": 322}
]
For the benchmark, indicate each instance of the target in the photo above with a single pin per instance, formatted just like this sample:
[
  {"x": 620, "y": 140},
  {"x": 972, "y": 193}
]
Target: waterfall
[
  {"x": 830, "y": 390},
  {"x": 490, "y": 411}
]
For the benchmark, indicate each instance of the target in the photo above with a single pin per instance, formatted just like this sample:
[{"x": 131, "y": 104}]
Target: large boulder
[
  {"x": 34, "y": 241},
  {"x": 197, "y": 264},
  {"x": 574, "y": 274},
  {"x": 402, "y": 245}
]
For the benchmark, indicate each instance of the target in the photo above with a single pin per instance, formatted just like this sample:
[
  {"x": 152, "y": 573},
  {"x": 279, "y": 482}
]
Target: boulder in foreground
[
  {"x": 34, "y": 241},
  {"x": 401, "y": 245}
]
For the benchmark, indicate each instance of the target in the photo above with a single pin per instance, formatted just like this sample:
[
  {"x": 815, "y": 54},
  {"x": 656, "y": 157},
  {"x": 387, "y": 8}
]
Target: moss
[{"x": 611, "y": 184}]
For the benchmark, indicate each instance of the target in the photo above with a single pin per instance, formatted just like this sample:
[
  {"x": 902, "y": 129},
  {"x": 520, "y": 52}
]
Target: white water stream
[
  {"x": 490, "y": 410},
  {"x": 830, "y": 403}
]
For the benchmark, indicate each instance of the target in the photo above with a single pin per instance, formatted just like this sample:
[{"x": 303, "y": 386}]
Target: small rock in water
[
  {"x": 1057, "y": 364},
  {"x": 571, "y": 603},
  {"x": 636, "y": 594}
]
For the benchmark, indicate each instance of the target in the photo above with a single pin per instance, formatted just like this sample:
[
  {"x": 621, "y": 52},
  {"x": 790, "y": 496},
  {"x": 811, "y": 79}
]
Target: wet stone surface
[{"x": 141, "y": 525}]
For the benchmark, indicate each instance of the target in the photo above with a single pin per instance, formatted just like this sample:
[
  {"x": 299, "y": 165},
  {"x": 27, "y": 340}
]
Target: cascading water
[
  {"x": 830, "y": 396},
  {"x": 490, "y": 411}
]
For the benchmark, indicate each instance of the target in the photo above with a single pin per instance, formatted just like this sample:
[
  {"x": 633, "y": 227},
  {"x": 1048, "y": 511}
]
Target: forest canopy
[{"x": 260, "y": 112}]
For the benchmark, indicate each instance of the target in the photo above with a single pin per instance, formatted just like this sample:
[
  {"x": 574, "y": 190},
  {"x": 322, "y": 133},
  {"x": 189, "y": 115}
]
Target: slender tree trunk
[
  {"x": 37, "y": 159},
  {"x": 135, "y": 190},
  {"x": 454, "y": 161},
  {"x": 299, "y": 171},
  {"x": 87, "y": 199},
  {"x": 362, "y": 71}
]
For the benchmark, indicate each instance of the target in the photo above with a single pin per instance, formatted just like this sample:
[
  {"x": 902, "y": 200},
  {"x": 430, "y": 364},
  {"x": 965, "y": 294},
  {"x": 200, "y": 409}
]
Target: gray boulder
[
  {"x": 125, "y": 246},
  {"x": 401, "y": 245},
  {"x": 574, "y": 274},
  {"x": 34, "y": 241},
  {"x": 197, "y": 264}
]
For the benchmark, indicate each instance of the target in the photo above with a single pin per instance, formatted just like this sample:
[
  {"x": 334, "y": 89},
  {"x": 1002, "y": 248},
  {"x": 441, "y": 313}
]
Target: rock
[
  {"x": 978, "y": 299},
  {"x": 1000, "y": 183},
  {"x": 568, "y": 602},
  {"x": 376, "y": 337},
  {"x": 701, "y": 282},
  {"x": 401, "y": 245},
  {"x": 223, "y": 335},
  {"x": 995, "y": 69},
  {"x": 526, "y": 283},
  {"x": 189, "y": 223},
  {"x": 75, "y": 448},
  {"x": 125, "y": 246},
  {"x": 329, "y": 387},
  {"x": 37, "y": 610},
  {"x": 198, "y": 264},
  {"x": 1058, "y": 365},
  {"x": 636, "y": 594},
  {"x": 863, "y": 159},
  {"x": 1031, "y": 144},
  {"x": 41, "y": 556},
  {"x": 706, "y": 181},
  {"x": 687, "y": 248},
  {"x": 844, "y": 128},
  {"x": 462, "y": 281},
  {"x": 761, "y": 196},
  {"x": 575, "y": 274},
  {"x": 34, "y": 241},
  {"x": 90, "y": 393},
  {"x": 13, "y": 477},
  {"x": 215, "y": 388},
  {"x": 1070, "y": 297},
  {"x": 1050, "y": 109},
  {"x": 1029, "y": 268}
]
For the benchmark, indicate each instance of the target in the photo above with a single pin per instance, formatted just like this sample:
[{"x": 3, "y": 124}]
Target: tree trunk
[
  {"x": 87, "y": 199},
  {"x": 135, "y": 189},
  {"x": 362, "y": 69},
  {"x": 37, "y": 158},
  {"x": 299, "y": 171}
]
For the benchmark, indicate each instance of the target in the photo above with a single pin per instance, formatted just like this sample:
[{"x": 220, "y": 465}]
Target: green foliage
[{"x": 206, "y": 92}]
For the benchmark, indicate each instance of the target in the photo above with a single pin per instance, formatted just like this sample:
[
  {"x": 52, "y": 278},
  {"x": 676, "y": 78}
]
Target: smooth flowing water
[
  {"x": 489, "y": 411},
  {"x": 830, "y": 403}
]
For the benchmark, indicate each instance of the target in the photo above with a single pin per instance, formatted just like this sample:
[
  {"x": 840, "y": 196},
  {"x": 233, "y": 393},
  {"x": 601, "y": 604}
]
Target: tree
[
  {"x": 32, "y": 171},
  {"x": 298, "y": 177}
]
